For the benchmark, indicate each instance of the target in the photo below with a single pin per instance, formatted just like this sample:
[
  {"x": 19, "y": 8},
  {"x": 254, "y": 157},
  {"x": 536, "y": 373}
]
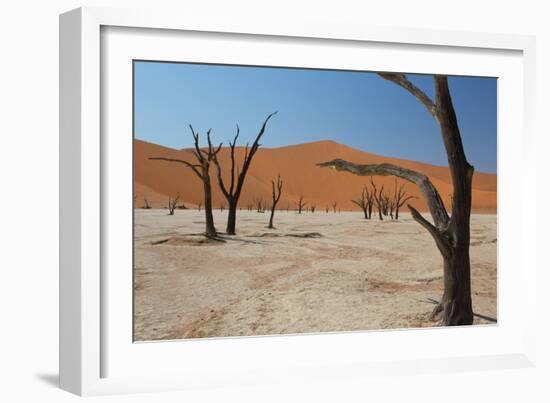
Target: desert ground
[{"x": 316, "y": 272}]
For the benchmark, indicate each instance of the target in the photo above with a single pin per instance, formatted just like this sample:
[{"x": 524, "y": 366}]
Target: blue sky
[{"x": 359, "y": 109}]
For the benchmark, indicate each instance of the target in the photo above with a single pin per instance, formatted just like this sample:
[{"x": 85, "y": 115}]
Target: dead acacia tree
[
  {"x": 370, "y": 201},
  {"x": 300, "y": 204},
  {"x": 172, "y": 204},
  {"x": 258, "y": 201},
  {"x": 334, "y": 204},
  {"x": 363, "y": 202},
  {"x": 204, "y": 158},
  {"x": 147, "y": 206},
  {"x": 451, "y": 234},
  {"x": 378, "y": 198},
  {"x": 391, "y": 204},
  {"x": 386, "y": 203},
  {"x": 236, "y": 178},
  {"x": 222, "y": 207},
  {"x": 275, "y": 196},
  {"x": 312, "y": 207},
  {"x": 400, "y": 198},
  {"x": 199, "y": 205}
]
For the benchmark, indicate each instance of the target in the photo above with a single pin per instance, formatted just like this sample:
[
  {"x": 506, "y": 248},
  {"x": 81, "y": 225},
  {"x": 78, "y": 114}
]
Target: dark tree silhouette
[
  {"x": 147, "y": 206},
  {"x": 334, "y": 204},
  {"x": 312, "y": 207},
  {"x": 172, "y": 204},
  {"x": 236, "y": 181},
  {"x": 451, "y": 234},
  {"x": 391, "y": 204},
  {"x": 259, "y": 202},
  {"x": 199, "y": 205},
  {"x": 363, "y": 202},
  {"x": 378, "y": 198},
  {"x": 222, "y": 207},
  {"x": 385, "y": 197},
  {"x": 300, "y": 204},
  {"x": 370, "y": 200},
  {"x": 400, "y": 198},
  {"x": 275, "y": 196},
  {"x": 204, "y": 158}
]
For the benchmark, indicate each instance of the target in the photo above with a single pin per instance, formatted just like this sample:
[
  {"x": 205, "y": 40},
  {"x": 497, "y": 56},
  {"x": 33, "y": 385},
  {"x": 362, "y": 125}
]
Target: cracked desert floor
[{"x": 313, "y": 273}]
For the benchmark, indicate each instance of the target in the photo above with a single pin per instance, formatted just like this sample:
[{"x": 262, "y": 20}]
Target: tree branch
[
  {"x": 232, "y": 147},
  {"x": 248, "y": 155},
  {"x": 192, "y": 166},
  {"x": 402, "y": 81},
  {"x": 431, "y": 195},
  {"x": 197, "y": 151},
  {"x": 440, "y": 241}
]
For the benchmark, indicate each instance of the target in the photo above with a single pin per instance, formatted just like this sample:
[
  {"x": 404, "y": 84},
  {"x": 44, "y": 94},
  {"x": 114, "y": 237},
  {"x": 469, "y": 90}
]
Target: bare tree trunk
[
  {"x": 300, "y": 204},
  {"x": 451, "y": 235},
  {"x": 147, "y": 205},
  {"x": 363, "y": 202},
  {"x": 210, "y": 228},
  {"x": 276, "y": 195},
  {"x": 400, "y": 198},
  {"x": 202, "y": 170},
  {"x": 173, "y": 204},
  {"x": 232, "y": 216},
  {"x": 236, "y": 183}
]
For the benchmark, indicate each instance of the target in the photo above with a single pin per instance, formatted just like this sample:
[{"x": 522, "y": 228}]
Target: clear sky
[{"x": 359, "y": 109}]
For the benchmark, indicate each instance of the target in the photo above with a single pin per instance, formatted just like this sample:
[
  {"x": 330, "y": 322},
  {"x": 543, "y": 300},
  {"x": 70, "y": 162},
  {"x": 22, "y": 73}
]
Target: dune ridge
[{"x": 157, "y": 180}]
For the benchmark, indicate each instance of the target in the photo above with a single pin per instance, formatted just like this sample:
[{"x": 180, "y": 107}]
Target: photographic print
[{"x": 272, "y": 200}]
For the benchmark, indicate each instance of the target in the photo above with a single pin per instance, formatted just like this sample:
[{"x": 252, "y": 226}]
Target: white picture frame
[{"x": 96, "y": 356}]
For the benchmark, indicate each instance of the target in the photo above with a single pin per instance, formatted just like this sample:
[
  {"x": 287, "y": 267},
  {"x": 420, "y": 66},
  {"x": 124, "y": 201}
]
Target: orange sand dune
[{"x": 156, "y": 180}]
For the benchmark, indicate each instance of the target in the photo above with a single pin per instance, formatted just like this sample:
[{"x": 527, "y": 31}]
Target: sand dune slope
[{"x": 156, "y": 180}]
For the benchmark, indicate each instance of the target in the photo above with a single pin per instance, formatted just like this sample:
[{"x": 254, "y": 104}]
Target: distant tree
[
  {"x": 312, "y": 208},
  {"x": 391, "y": 204},
  {"x": 204, "y": 158},
  {"x": 222, "y": 207},
  {"x": 334, "y": 204},
  {"x": 400, "y": 198},
  {"x": 378, "y": 198},
  {"x": 172, "y": 204},
  {"x": 300, "y": 204},
  {"x": 233, "y": 192},
  {"x": 275, "y": 196},
  {"x": 370, "y": 200},
  {"x": 199, "y": 205},
  {"x": 147, "y": 205},
  {"x": 258, "y": 201},
  {"x": 385, "y": 197},
  {"x": 363, "y": 202}
]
